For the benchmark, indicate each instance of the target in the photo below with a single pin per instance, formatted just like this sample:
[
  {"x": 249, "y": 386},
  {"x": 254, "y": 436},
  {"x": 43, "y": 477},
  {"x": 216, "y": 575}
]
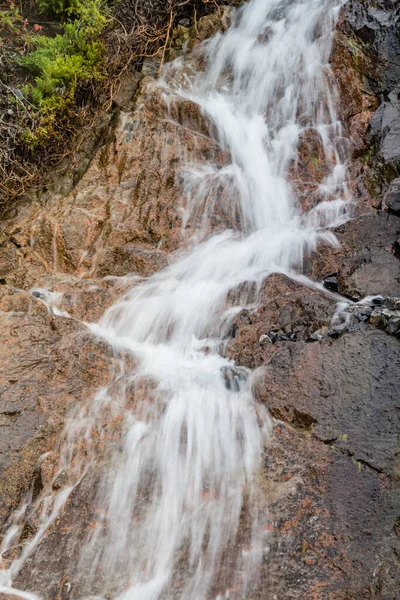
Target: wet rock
[
  {"x": 393, "y": 325},
  {"x": 233, "y": 377},
  {"x": 37, "y": 294},
  {"x": 366, "y": 63},
  {"x": 65, "y": 539},
  {"x": 47, "y": 365},
  {"x": 265, "y": 340},
  {"x": 331, "y": 282},
  {"x": 186, "y": 35},
  {"x": 8, "y": 260},
  {"x": 392, "y": 196},
  {"x": 89, "y": 243},
  {"x": 363, "y": 313},
  {"x": 288, "y": 311},
  {"x": 365, "y": 261},
  {"x": 383, "y": 313},
  {"x": 332, "y": 465},
  {"x": 390, "y": 303},
  {"x": 372, "y": 273},
  {"x": 377, "y": 27},
  {"x": 331, "y": 523},
  {"x": 15, "y": 300},
  {"x": 280, "y": 336},
  {"x": 385, "y": 124},
  {"x": 387, "y": 320},
  {"x": 120, "y": 261},
  {"x": 124, "y": 215},
  {"x": 310, "y": 169},
  {"x": 319, "y": 335},
  {"x": 272, "y": 337},
  {"x": 62, "y": 480},
  {"x": 378, "y": 319},
  {"x": 329, "y": 382},
  {"x": 333, "y": 468}
]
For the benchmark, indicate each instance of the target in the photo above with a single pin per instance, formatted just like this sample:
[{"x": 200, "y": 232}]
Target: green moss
[{"x": 61, "y": 64}]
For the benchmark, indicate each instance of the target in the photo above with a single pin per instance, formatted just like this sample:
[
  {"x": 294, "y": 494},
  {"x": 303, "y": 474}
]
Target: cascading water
[{"x": 181, "y": 515}]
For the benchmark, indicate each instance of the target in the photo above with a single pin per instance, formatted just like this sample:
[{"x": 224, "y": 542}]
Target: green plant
[
  {"x": 11, "y": 19},
  {"x": 58, "y": 7},
  {"x": 62, "y": 64}
]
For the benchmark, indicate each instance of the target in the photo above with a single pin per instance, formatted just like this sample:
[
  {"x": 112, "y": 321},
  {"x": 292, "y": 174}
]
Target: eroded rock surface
[
  {"x": 366, "y": 62},
  {"x": 331, "y": 471},
  {"x": 66, "y": 259},
  {"x": 48, "y": 364}
]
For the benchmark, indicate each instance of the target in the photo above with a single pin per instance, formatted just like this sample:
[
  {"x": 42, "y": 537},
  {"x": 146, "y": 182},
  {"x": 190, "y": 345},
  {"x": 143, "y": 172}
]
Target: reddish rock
[
  {"x": 331, "y": 471},
  {"x": 125, "y": 212},
  {"x": 47, "y": 364}
]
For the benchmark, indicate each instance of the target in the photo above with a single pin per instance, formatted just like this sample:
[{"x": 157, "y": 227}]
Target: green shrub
[
  {"x": 11, "y": 20},
  {"x": 57, "y": 7},
  {"x": 61, "y": 64}
]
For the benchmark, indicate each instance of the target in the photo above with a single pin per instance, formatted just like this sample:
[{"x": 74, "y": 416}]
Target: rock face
[
  {"x": 48, "y": 363},
  {"x": 366, "y": 263},
  {"x": 392, "y": 196},
  {"x": 366, "y": 61},
  {"x": 331, "y": 471},
  {"x": 332, "y": 468},
  {"x": 117, "y": 225}
]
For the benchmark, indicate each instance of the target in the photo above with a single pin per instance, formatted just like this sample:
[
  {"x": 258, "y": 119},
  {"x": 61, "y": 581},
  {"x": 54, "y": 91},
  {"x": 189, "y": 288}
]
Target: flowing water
[{"x": 181, "y": 514}]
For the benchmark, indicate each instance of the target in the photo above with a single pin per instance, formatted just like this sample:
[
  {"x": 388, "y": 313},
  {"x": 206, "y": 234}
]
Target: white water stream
[{"x": 181, "y": 514}]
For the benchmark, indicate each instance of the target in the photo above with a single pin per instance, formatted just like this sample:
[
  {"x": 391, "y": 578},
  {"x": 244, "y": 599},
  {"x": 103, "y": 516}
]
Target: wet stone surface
[
  {"x": 392, "y": 196},
  {"x": 331, "y": 471},
  {"x": 332, "y": 468},
  {"x": 48, "y": 364}
]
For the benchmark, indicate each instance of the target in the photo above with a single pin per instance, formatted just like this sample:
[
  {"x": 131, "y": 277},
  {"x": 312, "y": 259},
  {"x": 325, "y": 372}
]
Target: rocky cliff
[{"x": 331, "y": 472}]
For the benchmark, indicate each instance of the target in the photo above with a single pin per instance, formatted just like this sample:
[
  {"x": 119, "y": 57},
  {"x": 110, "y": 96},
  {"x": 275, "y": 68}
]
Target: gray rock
[
  {"x": 383, "y": 313},
  {"x": 234, "y": 377},
  {"x": 349, "y": 391},
  {"x": 281, "y": 336},
  {"x": 265, "y": 340},
  {"x": 391, "y": 303},
  {"x": 331, "y": 282},
  {"x": 38, "y": 294},
  {"x": 393, "y": 325},
  {"x": 363, "y": 313},
  {"x": 319, "y": 335},
  {"x": 378, "y": 319},
  {"x": 386, "y": 125},
  {"x": 376, "y": 24}
]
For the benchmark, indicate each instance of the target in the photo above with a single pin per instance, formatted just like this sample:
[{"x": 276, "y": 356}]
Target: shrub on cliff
[
  {"x": 61, "y": 62},
  {"x": 49, "y": 84},
  {"x": 60, "y": 65}
]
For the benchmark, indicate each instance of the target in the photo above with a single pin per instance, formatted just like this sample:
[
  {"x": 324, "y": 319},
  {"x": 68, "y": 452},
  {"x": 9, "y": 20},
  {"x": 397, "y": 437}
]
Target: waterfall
[{"x": 181, "y": 513}]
